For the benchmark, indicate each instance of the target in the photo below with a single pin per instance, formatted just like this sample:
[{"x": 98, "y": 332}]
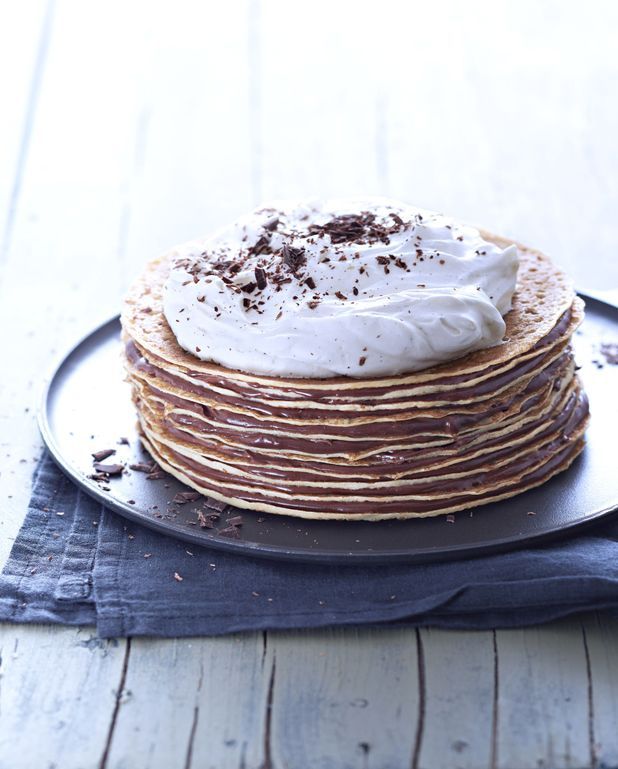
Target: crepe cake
[{"x": 358, "y": 359}]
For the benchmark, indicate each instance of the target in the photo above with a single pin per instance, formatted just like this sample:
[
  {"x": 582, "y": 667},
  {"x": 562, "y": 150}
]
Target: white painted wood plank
[
  {"x": 344, "y": 698},
  {"x": 601, "y": 638},
  {"x": 57, "y": 696},
  {"x": 61, "y": 274},
  {"x": 542, "y": 703},
  {"x": 192, "y": 173},
  {"x": 24, "y": 33},
  {"x": 197, "y": 703},
  {"x": 458, "y": 682},
  {"x": 499, "y": 114},
  {"x": 63, "y": 180},
  {"x": 318, "y": 79},
  {"x": 193, "y": 164}
]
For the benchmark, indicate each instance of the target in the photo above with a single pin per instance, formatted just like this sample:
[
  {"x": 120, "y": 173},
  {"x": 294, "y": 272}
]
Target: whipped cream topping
[{"x": 357, "y": 287}]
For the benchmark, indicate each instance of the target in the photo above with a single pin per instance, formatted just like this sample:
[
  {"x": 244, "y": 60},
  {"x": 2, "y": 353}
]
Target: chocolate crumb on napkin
[{"x": 90, "y": 566}]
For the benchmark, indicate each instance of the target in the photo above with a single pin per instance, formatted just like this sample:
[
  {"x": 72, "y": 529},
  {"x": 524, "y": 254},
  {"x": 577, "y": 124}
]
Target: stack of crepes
[{"x": 477, "y": 429}]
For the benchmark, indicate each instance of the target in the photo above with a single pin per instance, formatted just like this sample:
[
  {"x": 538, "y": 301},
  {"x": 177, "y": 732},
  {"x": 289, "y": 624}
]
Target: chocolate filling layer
[
  {"x": 395, "y": 407},
  {"x": 324, "y": 437},
  {"x": 541, "y": 468},
  {"x": 407, "y": 464}
]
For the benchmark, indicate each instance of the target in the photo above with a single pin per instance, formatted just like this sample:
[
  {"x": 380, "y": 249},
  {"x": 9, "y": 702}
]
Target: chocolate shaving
[
  {"x": 99, "y": 456},
  {"x": 310, "y": 282},
  {"x": 248, "y": 288},
  {"x": 294, "y": 258},
  {"x": 271, "y": 224},
  {"x": 260, "y": 278},
  {"x": 230, "y": 531},
  {"x": 262, "y": 246},
  {"x": 215, "y": 504},
  {"x": 205, "y": 522},
  {"x": 354, "y": 228},
  {"x": 155, "y": 475},
  {"x": 235, "y": 521},
  {"x": 108, "y": 469},
  {"x": 143, "y": 467},
  {"x": 186, "y": 496}
]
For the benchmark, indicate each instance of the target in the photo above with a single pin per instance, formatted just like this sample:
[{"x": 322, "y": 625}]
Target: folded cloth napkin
[{"x": 75, "y": 562}]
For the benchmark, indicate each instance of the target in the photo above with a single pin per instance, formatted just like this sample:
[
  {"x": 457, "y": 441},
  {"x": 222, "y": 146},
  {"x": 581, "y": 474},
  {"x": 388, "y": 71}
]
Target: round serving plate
[{"x": 86, "y": 408}]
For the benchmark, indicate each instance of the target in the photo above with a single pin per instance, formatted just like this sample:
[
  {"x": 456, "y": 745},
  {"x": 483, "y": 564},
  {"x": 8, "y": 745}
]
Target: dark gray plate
[{"x": 86, "y": 407}]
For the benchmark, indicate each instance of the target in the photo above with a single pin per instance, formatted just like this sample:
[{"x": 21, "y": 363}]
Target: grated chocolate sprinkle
[
  {"x": 262, "y": 246},
  {"x": 356, "y": 228},
  {"x": 260, "y": 278},
  {"x": 271, "y": 224},
  {"x": 115, "y": 469},
  {"x": 99, "y": 456},
  {"x": 294, "y": 258}
]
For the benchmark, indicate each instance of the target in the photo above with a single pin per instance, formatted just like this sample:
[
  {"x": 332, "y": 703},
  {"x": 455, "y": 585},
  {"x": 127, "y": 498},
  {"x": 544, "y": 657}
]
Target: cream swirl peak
[{"x": 357, "y": 287}]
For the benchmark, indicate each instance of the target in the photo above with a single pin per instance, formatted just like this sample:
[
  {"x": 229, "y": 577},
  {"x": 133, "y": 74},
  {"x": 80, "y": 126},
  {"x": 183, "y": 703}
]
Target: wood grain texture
[
  {"x": 132, "y": 128},
  {"x": 25, "y": 29},
  {"x": 600, "y": 634},
  {"x": 193, "y": 165},
  {"x": 542, "y": 703},
  {"x": 205, "y": 705},
  {"x": 57, "y": 693},
  {"x": 344, "y": 698},
  {"x": 459, "y": 680},
  {"x": 503, "y": 122},
  {"x": 61, "y": 273}
]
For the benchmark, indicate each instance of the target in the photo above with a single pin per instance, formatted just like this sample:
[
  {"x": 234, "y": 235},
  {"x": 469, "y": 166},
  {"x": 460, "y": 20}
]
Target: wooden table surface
[{"x": 127, "y": 127}]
